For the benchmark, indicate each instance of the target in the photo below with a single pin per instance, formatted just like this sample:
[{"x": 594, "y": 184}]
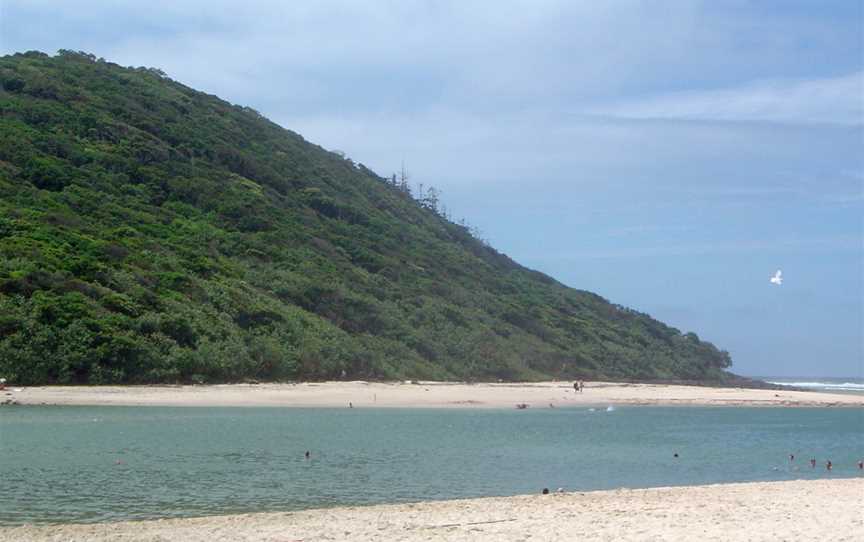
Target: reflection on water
[{"x": 86, "y": 464}]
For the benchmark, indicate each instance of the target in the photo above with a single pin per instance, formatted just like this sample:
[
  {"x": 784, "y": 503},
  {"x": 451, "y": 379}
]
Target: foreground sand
[
  {"x": 423, "y": 394},
  {"x": 797, "y": 510}
]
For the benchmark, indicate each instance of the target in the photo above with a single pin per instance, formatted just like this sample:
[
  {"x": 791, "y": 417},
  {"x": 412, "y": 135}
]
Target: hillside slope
[{"x": 153, "y": 233}]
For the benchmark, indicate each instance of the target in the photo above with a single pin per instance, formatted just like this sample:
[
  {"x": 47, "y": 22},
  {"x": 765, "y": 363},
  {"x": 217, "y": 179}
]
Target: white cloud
[
  {"x": 830, "y": 244},
  {"x": 834, "y": 100}
]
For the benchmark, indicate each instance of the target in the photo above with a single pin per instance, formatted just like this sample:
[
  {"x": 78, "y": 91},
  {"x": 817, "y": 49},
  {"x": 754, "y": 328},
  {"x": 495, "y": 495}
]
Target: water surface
[
  {"x": 848, "y": 384},
  {"x": 88, "y": 464}
]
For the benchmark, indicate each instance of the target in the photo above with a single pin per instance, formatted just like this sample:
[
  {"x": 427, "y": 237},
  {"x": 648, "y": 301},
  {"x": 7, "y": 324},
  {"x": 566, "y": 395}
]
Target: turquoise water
[{"x": 60, "y": 464}]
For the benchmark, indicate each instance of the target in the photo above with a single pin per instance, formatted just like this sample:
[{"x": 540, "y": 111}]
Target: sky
[{"x": 667, "y": 155}]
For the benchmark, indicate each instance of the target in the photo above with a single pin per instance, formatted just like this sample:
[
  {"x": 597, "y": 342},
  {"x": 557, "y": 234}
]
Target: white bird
[{"x": 777, "y": 278}]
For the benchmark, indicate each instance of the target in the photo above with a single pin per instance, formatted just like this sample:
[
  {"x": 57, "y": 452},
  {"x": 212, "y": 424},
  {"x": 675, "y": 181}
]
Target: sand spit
[
  {"x": 795, "y": 510},
  {"x": 421, "y": 394}
]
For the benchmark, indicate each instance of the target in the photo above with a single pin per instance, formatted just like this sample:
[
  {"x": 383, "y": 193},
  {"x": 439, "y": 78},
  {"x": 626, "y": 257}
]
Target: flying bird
[{"x": 777, "y": 278}]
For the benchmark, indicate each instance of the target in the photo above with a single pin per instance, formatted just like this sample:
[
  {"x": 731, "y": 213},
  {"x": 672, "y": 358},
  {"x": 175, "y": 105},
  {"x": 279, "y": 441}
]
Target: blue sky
[{"x": 667, "y": 155}]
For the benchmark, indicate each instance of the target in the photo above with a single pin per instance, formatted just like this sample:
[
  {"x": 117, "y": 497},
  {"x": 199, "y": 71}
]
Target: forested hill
[{"x": 153, "y": 233}]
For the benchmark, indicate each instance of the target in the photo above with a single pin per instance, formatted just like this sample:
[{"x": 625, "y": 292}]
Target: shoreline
[
  {"x": 792, "y": 510},
  {"x": 361, "y": 394}
]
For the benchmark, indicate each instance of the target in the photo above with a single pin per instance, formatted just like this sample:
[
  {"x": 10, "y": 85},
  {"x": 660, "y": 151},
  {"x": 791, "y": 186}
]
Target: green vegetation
[{"x": 153, "y": 233}]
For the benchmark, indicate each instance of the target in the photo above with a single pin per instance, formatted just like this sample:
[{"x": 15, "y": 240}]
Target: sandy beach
[
  {"x": 422, "y": 394},
  {"x": 794, "y": 510}
]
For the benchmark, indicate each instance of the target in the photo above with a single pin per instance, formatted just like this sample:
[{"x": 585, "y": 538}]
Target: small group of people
[
  {"x": 828, "y": 464},
  {"x": 578, "y": 386}
]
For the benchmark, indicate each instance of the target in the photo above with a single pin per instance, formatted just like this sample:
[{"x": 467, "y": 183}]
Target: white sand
[
  {"x": 797, "y": 510},
  {"x": 424, "y": 394}
]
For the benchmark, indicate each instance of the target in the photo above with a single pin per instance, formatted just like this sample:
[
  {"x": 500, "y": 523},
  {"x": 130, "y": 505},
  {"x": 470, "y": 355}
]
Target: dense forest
[{"x": 153, "y": 233}]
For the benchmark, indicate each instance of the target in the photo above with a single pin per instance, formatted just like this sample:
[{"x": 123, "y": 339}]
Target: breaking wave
[{"x": 839, "y": 386}]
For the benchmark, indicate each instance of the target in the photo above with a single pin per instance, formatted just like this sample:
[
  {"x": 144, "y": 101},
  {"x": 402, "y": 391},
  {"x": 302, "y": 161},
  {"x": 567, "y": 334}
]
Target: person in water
[
  {"x": 861, "y": 465},
  {"x": 545, "y": 490},
  {"x": 308, "y": 454},
  {"x": 812, "y": 462},
  {"x": 791, "y": 457},
  {"x": 828, "y": 465}
]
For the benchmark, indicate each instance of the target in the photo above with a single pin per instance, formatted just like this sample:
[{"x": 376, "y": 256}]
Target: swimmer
[{"x": 675, "y": 454}]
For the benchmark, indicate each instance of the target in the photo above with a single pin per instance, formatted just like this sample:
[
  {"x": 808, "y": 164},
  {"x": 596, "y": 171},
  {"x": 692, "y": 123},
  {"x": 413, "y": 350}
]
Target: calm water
[{"x": 60, "y": 463}]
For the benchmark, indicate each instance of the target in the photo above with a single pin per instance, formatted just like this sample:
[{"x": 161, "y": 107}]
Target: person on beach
[{"x": 575, "y": 386}]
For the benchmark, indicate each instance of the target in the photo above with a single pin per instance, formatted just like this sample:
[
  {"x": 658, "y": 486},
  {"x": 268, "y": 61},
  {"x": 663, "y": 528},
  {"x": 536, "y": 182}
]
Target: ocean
[
  {"x": 847, "y": 384},
  {"x": 95, "y": 464}
]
